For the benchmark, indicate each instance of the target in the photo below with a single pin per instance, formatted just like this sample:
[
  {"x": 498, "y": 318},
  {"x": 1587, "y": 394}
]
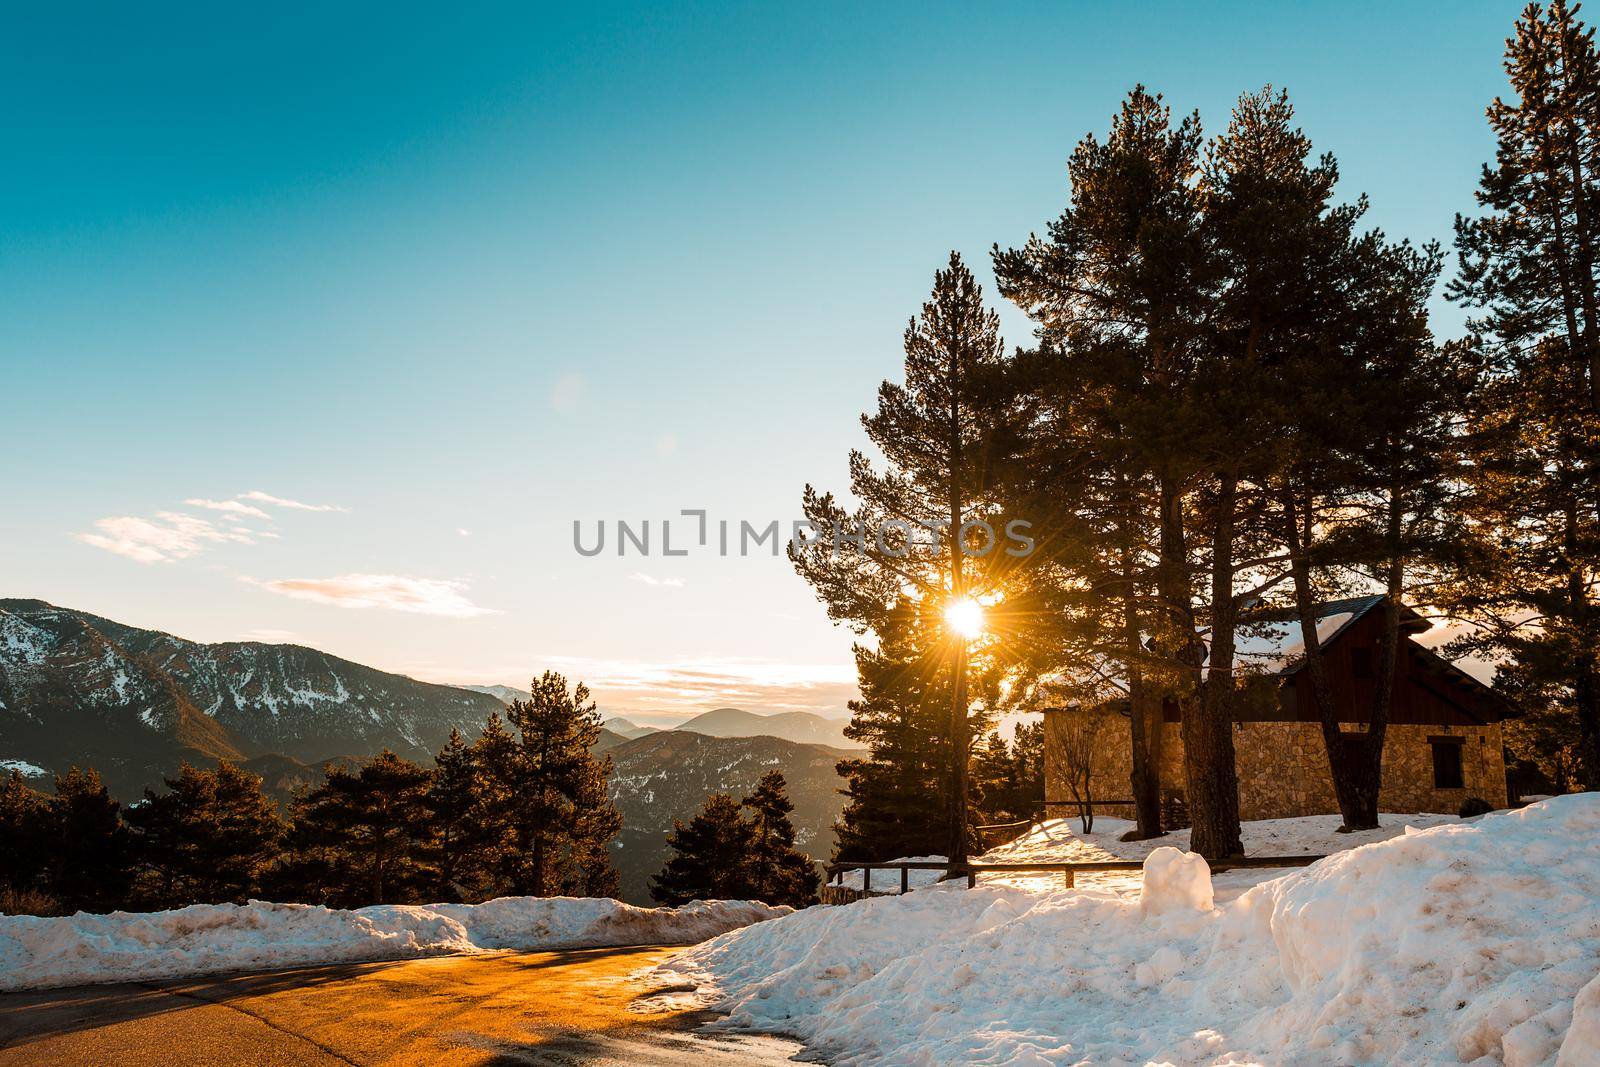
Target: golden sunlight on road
[{"x": 570, "y": 1007}]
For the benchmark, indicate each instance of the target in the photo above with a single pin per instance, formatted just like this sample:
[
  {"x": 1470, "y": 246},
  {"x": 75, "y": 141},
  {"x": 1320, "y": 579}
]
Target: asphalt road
[{"x": 573, "y": 1007}]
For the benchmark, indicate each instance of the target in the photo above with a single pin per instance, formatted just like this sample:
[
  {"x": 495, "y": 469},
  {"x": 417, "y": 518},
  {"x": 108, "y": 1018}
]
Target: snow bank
[
  {"x": 206, "y": 938},
  {"x": 1467, "y": 942}
]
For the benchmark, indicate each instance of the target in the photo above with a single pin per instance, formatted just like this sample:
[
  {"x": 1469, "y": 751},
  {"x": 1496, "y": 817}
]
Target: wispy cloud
[
  {"x": 235, "y": 507},
  {"x": 174, "y": 535},
  {"x": 384, "y": 592},
  {"x": 166, "y": 537},
  {"x": 281, "y": 502},
  {"x": 650, "y": 579}
]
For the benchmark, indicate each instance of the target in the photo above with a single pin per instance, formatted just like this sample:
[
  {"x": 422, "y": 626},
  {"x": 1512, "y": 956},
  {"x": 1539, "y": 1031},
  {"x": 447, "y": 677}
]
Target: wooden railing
[{"x": 1069, "y": 871}]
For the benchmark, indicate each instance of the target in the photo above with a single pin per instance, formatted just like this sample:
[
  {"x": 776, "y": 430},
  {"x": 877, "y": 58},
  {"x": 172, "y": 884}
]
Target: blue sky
[{"x": 502, "y": 267}]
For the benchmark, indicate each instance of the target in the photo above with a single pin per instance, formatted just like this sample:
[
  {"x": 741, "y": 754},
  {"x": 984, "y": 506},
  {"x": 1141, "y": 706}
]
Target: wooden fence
[{"x": 836, "y": 892}]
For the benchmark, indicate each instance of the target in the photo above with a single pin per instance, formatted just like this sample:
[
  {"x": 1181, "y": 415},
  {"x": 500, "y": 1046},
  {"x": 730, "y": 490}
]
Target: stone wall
[{"x": 1283, "y": 768}]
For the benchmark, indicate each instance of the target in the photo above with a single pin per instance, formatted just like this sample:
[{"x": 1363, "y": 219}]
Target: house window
[
  {"x": 1447, "y": 762},
  {"x": 1361, "y": 663}
]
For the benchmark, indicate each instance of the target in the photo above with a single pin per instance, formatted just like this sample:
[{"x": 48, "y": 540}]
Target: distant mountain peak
[
  {"x": 503, "y": 693},
  {"x": 628, "y": 728},
  {"x": 802, "y": 727},
  {"x": 78, "y": 688}
]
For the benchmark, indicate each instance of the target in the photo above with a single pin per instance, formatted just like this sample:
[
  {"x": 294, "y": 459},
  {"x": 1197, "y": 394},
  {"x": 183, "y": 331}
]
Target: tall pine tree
[
  {"x": 1528, "y": 265},
  {"x": 779, "y": 872},
  {"x": 91, "y": 865},
  {"x": 547, "y": 811},
  {"x": 26, "y": 842},
  {"x": 454, "y": 800},
  {"x": 711, "y": 856},
  {"x": 912, "y": 535}
]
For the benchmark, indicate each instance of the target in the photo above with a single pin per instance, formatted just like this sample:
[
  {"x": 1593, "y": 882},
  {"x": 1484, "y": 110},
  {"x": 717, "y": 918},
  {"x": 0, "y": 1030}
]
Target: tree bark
[
  {"x": 959, "y": 742},
  {"x": 1144, "y": 728},
  {"x": 1208, "y": 723},
  {"x": 1585, "y": 685},
  {"x": 956, "y": 853},
  {"x": 1355, "y": 786}
]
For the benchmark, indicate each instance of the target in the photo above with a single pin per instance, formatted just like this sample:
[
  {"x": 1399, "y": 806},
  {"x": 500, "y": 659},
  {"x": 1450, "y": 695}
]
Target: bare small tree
[{"x": 1079, "y": 735}]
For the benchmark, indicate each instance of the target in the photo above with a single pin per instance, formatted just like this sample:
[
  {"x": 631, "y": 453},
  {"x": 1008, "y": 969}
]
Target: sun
[{"x": 964, "y": 616}]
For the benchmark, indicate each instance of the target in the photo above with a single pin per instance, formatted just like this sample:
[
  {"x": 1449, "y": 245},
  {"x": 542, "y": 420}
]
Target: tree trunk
[
  {"x": 1585, "y": 690},
  {"x": 1144, "y": 729},
  {"x": 1208, "y": 722},
  {"x": 959, "y": 742},
  {"x": 1353, "y": 786},
  {"x": 957, "y": 848}
]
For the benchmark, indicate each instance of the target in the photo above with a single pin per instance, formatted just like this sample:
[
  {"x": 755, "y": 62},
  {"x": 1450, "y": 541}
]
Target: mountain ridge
[{"x": 79, "y": 688}]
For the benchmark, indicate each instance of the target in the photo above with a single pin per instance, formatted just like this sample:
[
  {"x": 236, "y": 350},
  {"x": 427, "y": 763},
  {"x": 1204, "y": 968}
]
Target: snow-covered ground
[
  {"x": 210, "y": 938},
  {"x": 1468, "y": 942}
]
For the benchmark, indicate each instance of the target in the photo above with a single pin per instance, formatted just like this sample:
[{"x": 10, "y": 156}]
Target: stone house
[{"x": 1441, "y": 747}]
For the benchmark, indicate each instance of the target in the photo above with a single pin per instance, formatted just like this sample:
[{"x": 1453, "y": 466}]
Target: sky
[{"x": 326, "y": 327}]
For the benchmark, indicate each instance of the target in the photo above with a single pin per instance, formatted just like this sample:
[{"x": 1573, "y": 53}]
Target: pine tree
[
  {"x": 26, "y": 844},
  {"x": 91, "y": 864},
  {"x": 711, "y": 856},
  {"x": 1120, "y": 290},
  {"x": 455, "y": 799},
  {"x": 363, "y": 837},
  {"x": 1010, "y": 777},
  {"x": 588, "y": 870},
  {"x": 1528, "y": 264},
  {"x": 1367, "y": 501},
  {"x": 912, "y": 536},
  {"x": 896, "y": 793},
  {"x": 548, "y": 814},
  {"x": 208, "y": 840},
  {"x": 779, "y": 872}
]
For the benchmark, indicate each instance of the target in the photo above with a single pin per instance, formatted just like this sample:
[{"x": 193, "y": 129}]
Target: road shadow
[
  {"x": 32, "y": 1014},
  {"x": 674, "y": 1046}
]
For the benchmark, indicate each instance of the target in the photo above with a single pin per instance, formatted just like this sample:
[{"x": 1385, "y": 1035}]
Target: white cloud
[
  {"x": 280, "y": 502},
  {"x": 168, "y": 536},
  {"x": 650, "y": 579},
  {"x": 172, "y": 535},
  {"x": 236, "y": 507},
  {"x": 385, "y": 592},
  {"x": 463, "y": 533},
  {"x": 567, "y": 393}
]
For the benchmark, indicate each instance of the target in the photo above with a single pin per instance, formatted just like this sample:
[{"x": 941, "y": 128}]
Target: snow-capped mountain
[
  {"x": 628, "y": 728},
  {"x": 77, "y": 688}
]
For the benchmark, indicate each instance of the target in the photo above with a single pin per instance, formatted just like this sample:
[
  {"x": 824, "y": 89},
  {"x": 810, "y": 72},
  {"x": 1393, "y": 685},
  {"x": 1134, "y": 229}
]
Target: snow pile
[
  {"x": 206, "y": 938},
  {"x": 1175, "y": 881},
  {"x": 1473, "y": 941}
]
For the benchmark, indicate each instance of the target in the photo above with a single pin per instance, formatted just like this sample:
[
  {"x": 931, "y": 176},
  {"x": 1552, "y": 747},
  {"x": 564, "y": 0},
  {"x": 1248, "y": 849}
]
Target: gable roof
[{"x": 1269, "y": 642}]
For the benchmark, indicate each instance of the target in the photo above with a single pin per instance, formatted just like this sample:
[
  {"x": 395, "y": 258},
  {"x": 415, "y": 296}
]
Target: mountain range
[
  {"x": 134, "y": 703},
  {"x": 77, "y": 688}
]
